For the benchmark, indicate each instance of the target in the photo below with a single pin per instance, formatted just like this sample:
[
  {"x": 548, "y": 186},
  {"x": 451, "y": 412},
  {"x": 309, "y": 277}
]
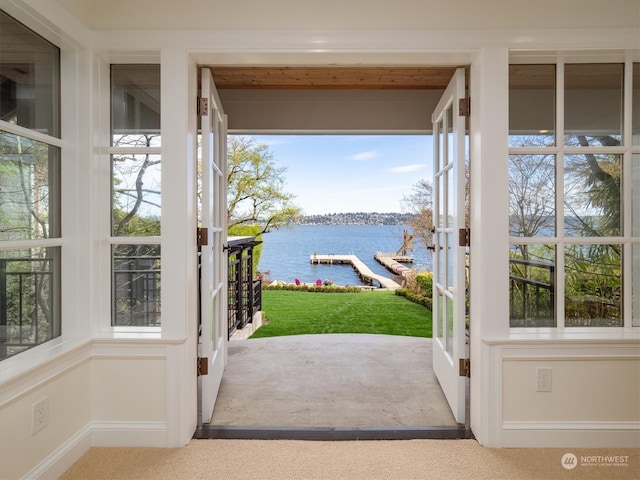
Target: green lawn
[{"x": 383, "y": 312}]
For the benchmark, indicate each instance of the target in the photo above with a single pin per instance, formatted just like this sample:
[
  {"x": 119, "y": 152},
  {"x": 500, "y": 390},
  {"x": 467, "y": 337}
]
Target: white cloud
[
  {"x": 365, "y": 155},
  {"x": 408, "y": 168}
]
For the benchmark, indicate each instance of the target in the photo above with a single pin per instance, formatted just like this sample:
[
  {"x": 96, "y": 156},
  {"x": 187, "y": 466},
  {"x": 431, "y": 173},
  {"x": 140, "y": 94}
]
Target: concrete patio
[{"x": 335, "y": 381}]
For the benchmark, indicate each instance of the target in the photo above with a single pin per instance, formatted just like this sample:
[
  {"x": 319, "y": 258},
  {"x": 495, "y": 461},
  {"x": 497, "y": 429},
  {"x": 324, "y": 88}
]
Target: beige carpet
[{"x": 370, "y": 460}]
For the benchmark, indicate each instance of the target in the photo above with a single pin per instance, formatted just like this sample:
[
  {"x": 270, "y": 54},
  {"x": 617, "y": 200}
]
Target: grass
[{"x": 380, "y": 312}]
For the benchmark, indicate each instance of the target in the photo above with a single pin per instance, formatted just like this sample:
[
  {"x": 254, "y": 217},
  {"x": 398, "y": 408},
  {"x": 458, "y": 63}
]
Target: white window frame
[
  {"x": 626, "y": 150},
  {"x": 104, "y": 205}
]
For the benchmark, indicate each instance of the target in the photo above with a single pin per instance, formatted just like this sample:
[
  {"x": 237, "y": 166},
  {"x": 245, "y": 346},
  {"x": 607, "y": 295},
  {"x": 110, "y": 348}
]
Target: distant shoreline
[{"x": 355, "y": 218}]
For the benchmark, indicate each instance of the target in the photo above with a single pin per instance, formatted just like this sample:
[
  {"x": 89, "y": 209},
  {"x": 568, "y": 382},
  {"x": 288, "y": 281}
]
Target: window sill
[{"x": 568, "y": 335}]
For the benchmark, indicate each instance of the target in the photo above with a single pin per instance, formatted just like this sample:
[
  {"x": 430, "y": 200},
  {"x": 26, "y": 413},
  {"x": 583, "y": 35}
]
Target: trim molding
[
  {"x": 570, "y": 434},
  {"x": 63, "y": 457},
  {"x": 129, "y": 434}
]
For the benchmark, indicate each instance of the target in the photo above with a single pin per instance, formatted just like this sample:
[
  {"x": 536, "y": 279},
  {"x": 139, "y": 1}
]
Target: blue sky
[{"x": 351, "y": 173}]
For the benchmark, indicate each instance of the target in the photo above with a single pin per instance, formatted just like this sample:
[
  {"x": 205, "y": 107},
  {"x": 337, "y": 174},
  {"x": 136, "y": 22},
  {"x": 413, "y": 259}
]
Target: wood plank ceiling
[{"x": 342, "y": 78}]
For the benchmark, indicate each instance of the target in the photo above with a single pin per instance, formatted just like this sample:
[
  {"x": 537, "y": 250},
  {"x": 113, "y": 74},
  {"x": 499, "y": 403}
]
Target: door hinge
[
  {"x": 464, "y": 237},
  {"x": 465, "y": 367},
  {"x": 464, "y": 107},
  {"x": 203, "y": 106},
  {"x": 203, "y": 366},
  {"x": 202, "y": 236}
]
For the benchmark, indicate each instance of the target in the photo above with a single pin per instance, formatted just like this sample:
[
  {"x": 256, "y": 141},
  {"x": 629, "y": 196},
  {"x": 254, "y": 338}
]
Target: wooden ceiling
[{"x": 342, "y": 78}]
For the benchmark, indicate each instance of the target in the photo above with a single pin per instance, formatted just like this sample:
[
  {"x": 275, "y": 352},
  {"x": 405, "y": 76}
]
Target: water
[{"x": 286, "y": 253}]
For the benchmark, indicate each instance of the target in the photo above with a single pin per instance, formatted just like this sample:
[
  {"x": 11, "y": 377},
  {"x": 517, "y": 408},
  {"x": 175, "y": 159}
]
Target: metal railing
[
  {"x": 531, "y": 302},
  {"x": 28, "y": 313},
  {"x": 245, "y": 293},
  {"x": 136, "y": 289}
]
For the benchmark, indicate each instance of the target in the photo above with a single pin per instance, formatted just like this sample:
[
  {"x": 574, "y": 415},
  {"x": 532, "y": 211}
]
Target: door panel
[
  {"x": 212, "y": 342},
  {"x": 449, "y": 259}
]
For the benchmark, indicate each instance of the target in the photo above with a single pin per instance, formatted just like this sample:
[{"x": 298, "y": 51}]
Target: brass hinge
[
  {"x": 203, "y": 366},
  {"x": 203, "y": 106},
  {"x": 464, "y": 107},
  {"x": 464, "y": 237},
  {"x": 202, "y": 236},
  {"x": 465, "y": 367}
]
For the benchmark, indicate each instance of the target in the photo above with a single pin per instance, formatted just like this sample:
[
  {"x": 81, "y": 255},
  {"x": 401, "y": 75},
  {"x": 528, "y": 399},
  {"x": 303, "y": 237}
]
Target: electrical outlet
[
  {"x": 39, "y": 415},
  {"x": 543, "y": 379}
]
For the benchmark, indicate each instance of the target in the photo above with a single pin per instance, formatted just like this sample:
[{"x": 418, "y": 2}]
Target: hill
[{"x": 355, "y": 218}]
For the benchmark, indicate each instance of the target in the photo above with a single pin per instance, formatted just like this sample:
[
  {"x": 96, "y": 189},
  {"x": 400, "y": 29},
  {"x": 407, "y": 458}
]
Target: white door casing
[
  {"x": 449, "y": 257},
  {"x": 212, "y": 341}
]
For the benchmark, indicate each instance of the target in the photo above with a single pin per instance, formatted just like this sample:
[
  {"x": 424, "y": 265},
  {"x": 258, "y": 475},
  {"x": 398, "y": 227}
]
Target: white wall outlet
[
  {"x": 543, "y": 379},
  {"x": 40, "y": 415}
]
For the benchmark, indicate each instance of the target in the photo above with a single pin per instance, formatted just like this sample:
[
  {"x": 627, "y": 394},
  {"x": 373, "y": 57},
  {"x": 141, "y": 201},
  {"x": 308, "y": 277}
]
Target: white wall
[
  {"x": 354, "y": 14},
  {"x": 329, "y": 110},
  {"x": 87, "y": 381}
]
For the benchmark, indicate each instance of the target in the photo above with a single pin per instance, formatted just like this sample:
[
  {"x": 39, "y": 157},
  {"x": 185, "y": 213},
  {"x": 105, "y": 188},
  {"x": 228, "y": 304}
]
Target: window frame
[
  {"x": 626, "y": 151},
  {"x": 56, "y": 242},
  {"x": 109, "y": 152}
]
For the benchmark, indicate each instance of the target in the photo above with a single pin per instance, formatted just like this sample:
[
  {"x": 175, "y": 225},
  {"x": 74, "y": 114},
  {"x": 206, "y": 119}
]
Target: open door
[
  {"x": 449, "y": 257},
  {"x": 212, "y": 342}
]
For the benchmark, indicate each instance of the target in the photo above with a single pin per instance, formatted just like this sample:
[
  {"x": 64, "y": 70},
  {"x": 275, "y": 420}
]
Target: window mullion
[
  {"x": 627, "y": 201},
  {"x": 560, "y": 233}
]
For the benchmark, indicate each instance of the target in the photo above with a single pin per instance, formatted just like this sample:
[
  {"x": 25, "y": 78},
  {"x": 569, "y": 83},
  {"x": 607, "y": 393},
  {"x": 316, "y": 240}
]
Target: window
[
  {"x": 135, "y": 199},
  {"x": 30, "y": 237},
  {"x": 573, "y": 226}
]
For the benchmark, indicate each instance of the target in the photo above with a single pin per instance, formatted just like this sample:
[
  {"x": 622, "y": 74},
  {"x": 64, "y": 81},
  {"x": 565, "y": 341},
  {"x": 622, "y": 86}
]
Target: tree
[
  {"x": 420, "y": 205},
  {"x": 136, "y": 188},
  {"x": 256, "y": 187}
]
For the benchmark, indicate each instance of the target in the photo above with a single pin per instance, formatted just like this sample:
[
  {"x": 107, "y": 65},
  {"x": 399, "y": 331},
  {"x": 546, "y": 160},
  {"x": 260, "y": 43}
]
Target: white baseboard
[
  {"x": 129, "y": 434},
  {"x": 60, "y": 460},
  {"x": 570, "y": 434}
]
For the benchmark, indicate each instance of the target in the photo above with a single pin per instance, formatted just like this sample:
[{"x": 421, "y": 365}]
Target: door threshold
[{"x": 244, "y": 432}]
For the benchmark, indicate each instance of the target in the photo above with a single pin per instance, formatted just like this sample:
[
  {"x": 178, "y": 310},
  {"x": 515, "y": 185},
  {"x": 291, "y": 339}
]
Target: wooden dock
[
  {"x": 364, "y": 272},
  {"x": 394, "y": 262}
]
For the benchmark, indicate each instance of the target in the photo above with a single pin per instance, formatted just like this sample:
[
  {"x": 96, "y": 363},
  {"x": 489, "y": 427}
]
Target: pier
[
  {"x": 394, "y": 262},
  {"x": 364, "y": 272}
]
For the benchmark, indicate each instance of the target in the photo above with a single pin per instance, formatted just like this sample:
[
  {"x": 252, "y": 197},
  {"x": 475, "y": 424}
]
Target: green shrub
[
  {"x": 425, "y": 283},
  {"x": 415, "y": 298}
]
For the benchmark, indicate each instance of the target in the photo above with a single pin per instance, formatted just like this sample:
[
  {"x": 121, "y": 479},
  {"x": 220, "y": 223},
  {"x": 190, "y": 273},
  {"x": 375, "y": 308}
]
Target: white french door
[
  {"x": 212, "y": 342},
  {"x": 449, "y": 258}
]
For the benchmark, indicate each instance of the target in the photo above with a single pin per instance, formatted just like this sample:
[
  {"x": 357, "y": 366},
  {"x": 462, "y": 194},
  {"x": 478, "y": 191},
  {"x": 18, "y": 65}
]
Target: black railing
[
  {"x": 136, "y": 287},
  {"x": 532, "y": 302},
  {"x": 27, "y": 304},
  {"x": 245, "y": 293}
]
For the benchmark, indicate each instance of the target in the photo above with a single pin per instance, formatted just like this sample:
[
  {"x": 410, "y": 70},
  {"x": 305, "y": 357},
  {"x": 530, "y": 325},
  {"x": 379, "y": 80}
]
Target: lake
[{"x": 286, "y": 252}]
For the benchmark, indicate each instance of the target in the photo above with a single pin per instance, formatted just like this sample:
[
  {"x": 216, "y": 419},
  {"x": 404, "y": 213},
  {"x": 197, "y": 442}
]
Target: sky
[{"x": 350, "y": 173}]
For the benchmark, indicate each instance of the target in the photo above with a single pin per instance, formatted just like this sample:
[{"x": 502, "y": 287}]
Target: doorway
[{"x": 347, "y": 84}]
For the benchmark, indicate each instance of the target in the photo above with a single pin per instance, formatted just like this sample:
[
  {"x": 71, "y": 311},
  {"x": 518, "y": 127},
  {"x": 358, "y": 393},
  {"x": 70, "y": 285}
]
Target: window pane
[
  {"x": 29, "y": 293},
  {"x": 593, "y": 200},
  {"x": 593, "y": 286},
  {"x": 135, "y": 103},
  {"x": 593, "y": 104},
  {"x": 635, "y": 295},
  {"x": 532, "y": 106},
  {"x": 635, "y": 104},
  {"x": 136, "y": 195},
  {"x": 29, "y": 189},
  {"x": 136, "y": 285},
  {"x": 532, "y": 286},
  {"x": 29, "y": 78},
  {"x": 532, "y": 192},
  {"x": 635, "y": 195},
  {"x": 450, "y": 319}
]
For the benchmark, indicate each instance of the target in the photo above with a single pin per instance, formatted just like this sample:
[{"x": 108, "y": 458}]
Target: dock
[
  {"x": 394, "y": 262},
  {"x": 364, "y": 272}
]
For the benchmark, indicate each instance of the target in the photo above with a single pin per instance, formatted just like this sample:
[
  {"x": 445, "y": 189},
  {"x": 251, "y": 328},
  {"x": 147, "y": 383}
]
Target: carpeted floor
[{"x": 370, "y": 460}]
